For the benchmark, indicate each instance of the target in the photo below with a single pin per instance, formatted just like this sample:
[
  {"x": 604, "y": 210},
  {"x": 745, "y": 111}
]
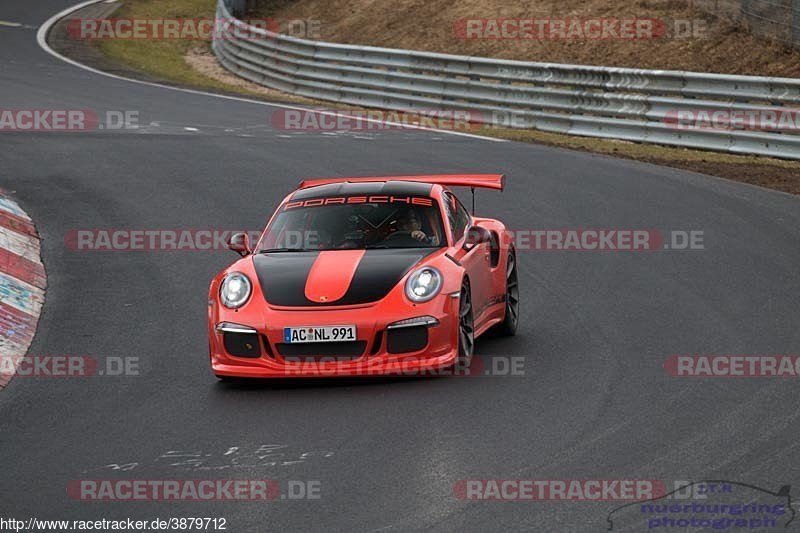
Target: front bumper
[{"x": 258, "y": 350}]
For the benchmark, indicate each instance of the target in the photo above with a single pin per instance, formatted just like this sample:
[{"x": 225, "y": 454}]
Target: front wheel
[
  {"x": 466, "y": 329},
  {"x": 508, "y": 326}
]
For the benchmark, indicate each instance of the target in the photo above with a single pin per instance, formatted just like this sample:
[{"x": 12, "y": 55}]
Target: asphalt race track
[{"x": 594, "y": 401}]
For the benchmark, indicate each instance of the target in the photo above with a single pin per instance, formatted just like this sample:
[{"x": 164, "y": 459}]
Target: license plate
[{"x": 319, "y": 334}]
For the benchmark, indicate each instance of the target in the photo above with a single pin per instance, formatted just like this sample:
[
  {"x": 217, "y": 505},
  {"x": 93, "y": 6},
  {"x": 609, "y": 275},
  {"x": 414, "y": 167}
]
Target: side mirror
[
  {"x": 239, "y": 243},
  {"x": 476, "y": 235}
]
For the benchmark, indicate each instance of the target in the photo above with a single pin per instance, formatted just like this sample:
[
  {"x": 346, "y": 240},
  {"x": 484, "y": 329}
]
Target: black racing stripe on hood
[
  {"x": 283, "y": 275},
  {"x": 379, "y": 271}
]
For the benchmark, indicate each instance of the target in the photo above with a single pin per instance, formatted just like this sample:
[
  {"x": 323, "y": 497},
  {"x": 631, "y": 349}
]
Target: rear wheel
[
  {"x": 466, "y": 327},
  {"x": 509, "y": 325}
]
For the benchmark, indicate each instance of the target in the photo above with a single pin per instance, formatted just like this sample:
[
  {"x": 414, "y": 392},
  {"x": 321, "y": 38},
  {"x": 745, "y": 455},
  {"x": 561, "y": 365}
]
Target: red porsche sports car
[{"x": 364, "y": 276}]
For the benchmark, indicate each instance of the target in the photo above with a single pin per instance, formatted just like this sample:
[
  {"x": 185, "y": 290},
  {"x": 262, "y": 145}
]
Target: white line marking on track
[{"x": 41, "y": 39}]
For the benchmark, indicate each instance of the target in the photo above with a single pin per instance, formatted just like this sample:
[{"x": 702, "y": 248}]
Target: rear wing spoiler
[{"x": 484, "y": 181}]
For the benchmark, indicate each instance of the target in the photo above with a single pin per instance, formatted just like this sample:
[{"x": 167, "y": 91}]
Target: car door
[{"x": 476, "y": 260}]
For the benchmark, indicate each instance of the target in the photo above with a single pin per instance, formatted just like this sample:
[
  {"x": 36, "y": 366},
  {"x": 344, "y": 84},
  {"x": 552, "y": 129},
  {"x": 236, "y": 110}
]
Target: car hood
[{"x": 333, "y": 277}]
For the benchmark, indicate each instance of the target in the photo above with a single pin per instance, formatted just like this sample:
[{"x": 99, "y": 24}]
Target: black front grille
[
  {"x": 408, "y": 339},
  {"x": 242, "y": 344},
  {"x": 312, "y": 351}
]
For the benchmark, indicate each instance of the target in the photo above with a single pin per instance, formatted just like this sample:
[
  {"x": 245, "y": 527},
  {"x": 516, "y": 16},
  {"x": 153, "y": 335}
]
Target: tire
[
  {"x": 466, "y": 328},
  {"x": 508, "y": 327}
]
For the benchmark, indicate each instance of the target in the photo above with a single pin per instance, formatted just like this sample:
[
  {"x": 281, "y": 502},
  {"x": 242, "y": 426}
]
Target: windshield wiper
[{"x": 276, "y": 250}]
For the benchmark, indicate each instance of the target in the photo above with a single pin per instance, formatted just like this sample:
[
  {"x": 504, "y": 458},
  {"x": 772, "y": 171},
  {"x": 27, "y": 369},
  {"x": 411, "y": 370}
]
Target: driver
[{"x": 410, "y": 222}]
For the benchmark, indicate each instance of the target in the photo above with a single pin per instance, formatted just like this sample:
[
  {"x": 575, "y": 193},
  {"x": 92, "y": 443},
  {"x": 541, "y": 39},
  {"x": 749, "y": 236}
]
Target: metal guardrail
[{"x": 620, "y": 103}]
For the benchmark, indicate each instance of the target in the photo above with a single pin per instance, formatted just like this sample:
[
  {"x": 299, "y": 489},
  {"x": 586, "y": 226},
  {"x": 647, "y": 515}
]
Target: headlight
[
  {"x": 235, "y": 290},
  {"x": 423, "y": 284}
]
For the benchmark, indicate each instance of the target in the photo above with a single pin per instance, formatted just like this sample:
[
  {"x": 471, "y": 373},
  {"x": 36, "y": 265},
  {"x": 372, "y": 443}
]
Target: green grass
[{"x": 163, "y": 58}]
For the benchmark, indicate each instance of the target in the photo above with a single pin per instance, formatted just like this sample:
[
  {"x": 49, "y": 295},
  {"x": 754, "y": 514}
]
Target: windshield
[{"x": 355, "y": 222}]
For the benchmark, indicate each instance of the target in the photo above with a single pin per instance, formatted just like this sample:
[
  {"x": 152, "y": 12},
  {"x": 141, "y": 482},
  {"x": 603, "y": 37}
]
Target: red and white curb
[{"x": 22, "y": 283}]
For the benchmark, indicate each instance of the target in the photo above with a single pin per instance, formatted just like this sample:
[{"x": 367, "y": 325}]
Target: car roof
[{"x": 345, "y": 188}]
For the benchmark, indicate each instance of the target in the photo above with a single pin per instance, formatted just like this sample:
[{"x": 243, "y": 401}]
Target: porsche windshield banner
[{"x": 374, "y": 199}]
